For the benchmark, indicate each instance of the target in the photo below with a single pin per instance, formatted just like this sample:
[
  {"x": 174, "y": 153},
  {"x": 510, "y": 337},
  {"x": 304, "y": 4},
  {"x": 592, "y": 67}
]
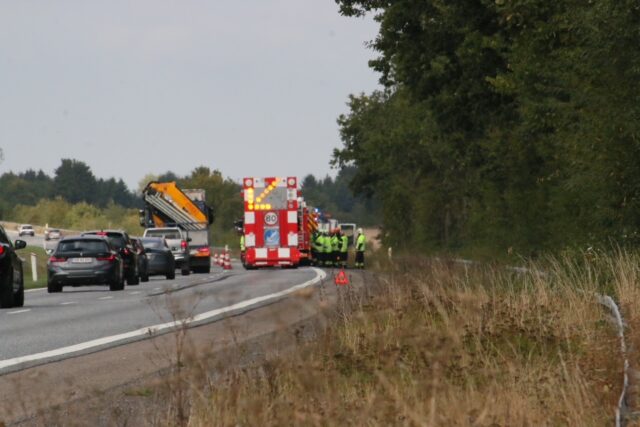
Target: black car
[
  {"x": 121, "y": 242},
  {"x": 11, "y": 279},
  {"x": 143, "y": 259},
  {"x": 85, "y": 260},
  {"x": 161, "y": 261}
]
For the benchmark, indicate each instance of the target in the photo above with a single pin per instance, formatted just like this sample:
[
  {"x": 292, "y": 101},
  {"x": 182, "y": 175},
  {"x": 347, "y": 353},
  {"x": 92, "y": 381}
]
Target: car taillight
[
  {"x": 2, "y": 249},
  {"x": 56, "y": 259},
  {"x": 109, "y": 258},
  {"x": 183, "y": 244},
  {"x": 126, "y": 251},
  {"x": 204, "y": 251}
]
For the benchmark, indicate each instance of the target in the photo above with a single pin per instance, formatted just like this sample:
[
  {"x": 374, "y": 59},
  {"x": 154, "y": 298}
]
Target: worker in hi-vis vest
[
  {"x": 335, "y": 247},
  {"x": 242, "y": 248},
  {"x": 316, "y": 248},
  {"x": 327, "y": 249},
  {"x": 344, "y": 250},
  {"x": 360, "y": 247}
]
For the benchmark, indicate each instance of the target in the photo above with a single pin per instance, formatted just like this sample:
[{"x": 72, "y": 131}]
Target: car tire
[
  {"x": 133, "y": 280},
  {"x": 6, "y": 289},
  {"x": 171, "y": 276},
  {"x": 53, "y": 288},
  {"x": 18, "y": 297},
  {"x": 116, "y": 286}
]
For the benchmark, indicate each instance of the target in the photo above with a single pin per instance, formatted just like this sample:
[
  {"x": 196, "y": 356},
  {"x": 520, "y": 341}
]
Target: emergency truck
[
  {"x": 167, "y": 205},
  {"x": 272, "y": 228}
]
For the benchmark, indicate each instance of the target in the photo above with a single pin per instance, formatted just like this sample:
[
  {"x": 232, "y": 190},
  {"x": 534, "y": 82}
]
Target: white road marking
[
  {"x": 68, "y": 302},
  {"x": 160, "y": 327},
  {"x": 134, "y": 293},
  {"x": 34, "y": 290},
  {"x": 103, "y": 298},
  {"x": 19, "y": 311},
  {"x": 157, "y": 289}
]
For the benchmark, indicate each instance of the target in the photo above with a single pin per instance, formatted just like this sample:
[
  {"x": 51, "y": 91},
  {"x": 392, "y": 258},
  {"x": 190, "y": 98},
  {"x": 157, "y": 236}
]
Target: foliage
[
  {"x": 73, "y": 181},
  {"x": 334, "y": 196},
  {"x": 506, "y": 124},
  {"x": 80, "y": 216}
]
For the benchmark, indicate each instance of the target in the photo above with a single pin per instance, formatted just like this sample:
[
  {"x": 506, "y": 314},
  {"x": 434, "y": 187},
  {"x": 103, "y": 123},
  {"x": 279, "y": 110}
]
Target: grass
[
  {"x": 436, "y": 343},
  {"x": 41, "y": 265}
]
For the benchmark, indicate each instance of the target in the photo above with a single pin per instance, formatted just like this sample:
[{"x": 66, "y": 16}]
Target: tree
[{"x": 75, "y": 182}]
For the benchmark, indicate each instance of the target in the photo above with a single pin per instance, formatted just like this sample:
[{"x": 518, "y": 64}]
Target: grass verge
[
  {"x": 436, "y": 343},
  {"x": 41, "y": 266}
]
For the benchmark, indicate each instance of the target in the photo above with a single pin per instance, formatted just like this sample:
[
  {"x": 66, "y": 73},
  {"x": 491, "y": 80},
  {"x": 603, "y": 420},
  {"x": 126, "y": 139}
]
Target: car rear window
[
  {"x": 154, "y": 243},
  {"x": 96, "y": 246},
  {"x": 168, "y": 234},
  {"x": 116, "y": 240}
]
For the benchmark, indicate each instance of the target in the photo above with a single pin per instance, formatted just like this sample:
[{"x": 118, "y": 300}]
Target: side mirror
[
  {"x": 20, "y": 244},
  {"x": 49, "y": 251}
]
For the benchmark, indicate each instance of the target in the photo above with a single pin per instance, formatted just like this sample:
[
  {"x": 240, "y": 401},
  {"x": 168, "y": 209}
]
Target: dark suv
[
  {"x": 11, "y": 278},
  {"x": 121, "y": 242}
]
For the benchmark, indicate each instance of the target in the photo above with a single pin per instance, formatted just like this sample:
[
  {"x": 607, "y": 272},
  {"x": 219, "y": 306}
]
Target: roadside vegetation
[
  {"x": 41, "y": 265},
  {"x": 437, "y": 343}
]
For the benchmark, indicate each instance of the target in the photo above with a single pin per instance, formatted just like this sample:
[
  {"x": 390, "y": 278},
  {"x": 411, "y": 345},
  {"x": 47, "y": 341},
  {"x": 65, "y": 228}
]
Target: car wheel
[
  {"x": 6, "y": 289},
  {"x": 133, "y": 280},
  {"x": 116, "y": 286},
  {"x": 171, "y": 275},
  {"x": 18, "y": 297},
  {"x": 53, "y": 287},
  {"x": 185, "y": 271}
]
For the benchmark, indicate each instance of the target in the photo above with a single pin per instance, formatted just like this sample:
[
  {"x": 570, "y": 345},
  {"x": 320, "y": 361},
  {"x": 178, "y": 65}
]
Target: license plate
[{"x": 81, "y": 260}]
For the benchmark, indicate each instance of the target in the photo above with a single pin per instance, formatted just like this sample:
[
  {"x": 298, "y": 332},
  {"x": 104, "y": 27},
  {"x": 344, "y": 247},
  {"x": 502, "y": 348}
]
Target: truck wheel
[
  {"x": 171, "y": 276},
  {"x": 185, "y": 272}
]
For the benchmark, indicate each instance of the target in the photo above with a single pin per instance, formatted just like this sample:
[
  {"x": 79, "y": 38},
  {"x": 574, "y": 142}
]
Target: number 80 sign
[{"x": 270, "y": 218}]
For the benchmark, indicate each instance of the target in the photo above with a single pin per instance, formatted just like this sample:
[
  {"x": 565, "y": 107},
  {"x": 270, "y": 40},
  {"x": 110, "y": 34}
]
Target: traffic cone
[
  {"x": 215, "y": 258},
  {"x": 227, "y": 261},
  {"x": 221, "y": 260},
  {"x": 341, "y": 278}
]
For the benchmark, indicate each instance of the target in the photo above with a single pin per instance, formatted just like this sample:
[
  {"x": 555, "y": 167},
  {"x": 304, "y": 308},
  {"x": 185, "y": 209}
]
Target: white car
[
  {"x": 52, "y": 234},
  {"x": 26, "y": 230}
]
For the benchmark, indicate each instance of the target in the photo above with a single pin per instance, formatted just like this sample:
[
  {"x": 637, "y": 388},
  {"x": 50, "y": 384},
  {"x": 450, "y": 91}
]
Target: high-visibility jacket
[
  {"x": 344, "y": 243},
  {"x": 317, "y": 244},
  {"x": 327, "y": 244},
  {"x": 335, "y": 243},
  {"x": 360, "y": 243},
  {"x": 242, "y": 248}
]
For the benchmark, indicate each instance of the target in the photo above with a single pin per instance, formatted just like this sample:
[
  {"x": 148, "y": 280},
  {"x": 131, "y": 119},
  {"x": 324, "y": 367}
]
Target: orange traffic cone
[
  {"x": 227, "y": 261},
  {"x": 215, "y": 258},
  {"x": 341, "y": 279}
]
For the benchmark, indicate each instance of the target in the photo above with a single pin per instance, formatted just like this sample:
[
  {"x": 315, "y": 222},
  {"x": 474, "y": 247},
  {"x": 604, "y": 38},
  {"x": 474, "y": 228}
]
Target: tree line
[
  {"x": 72, "y": 181},
  {"x": 508, "y": 125}
]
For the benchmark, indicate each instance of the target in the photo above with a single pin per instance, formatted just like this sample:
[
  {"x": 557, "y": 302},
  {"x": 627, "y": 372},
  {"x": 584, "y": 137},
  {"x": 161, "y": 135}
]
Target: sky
[{"x": 248, "y": 87}]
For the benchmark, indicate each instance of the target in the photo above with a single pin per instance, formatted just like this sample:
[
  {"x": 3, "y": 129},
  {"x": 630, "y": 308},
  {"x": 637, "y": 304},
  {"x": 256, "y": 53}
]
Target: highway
[{"x": 85, "y": 319}]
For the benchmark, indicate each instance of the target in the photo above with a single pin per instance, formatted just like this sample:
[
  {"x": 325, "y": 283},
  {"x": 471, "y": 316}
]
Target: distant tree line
[
  {"x": 73, "y": 181},
  {"x": 501, "y": 125}
]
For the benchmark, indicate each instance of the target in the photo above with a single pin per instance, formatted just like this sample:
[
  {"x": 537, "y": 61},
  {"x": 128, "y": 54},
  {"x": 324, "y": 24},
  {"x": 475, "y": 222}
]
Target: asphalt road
[
  {"x": 37, "y": 240},
  {"x": 85, "y": 319}
]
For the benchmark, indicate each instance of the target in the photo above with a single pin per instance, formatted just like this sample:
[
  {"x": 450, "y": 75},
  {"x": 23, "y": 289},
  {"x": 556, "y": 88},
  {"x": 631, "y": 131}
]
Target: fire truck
[{"x": 273, "y": 225}]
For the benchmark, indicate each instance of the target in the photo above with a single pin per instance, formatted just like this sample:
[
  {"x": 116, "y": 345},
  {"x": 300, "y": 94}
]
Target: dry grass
[{"x": 436, "y": 343}]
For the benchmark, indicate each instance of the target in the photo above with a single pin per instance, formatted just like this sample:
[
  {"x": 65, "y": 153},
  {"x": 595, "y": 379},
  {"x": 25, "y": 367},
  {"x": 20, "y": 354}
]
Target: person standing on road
[
  {"x": 344, "y": 250},
  {"x": 335, "y": 248},
  {"x": 242, "y": 247},
  {"x": 360, "y": 247},
  {"x": 316, "y": 248},
  {"x": 327, "y": 249}
]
